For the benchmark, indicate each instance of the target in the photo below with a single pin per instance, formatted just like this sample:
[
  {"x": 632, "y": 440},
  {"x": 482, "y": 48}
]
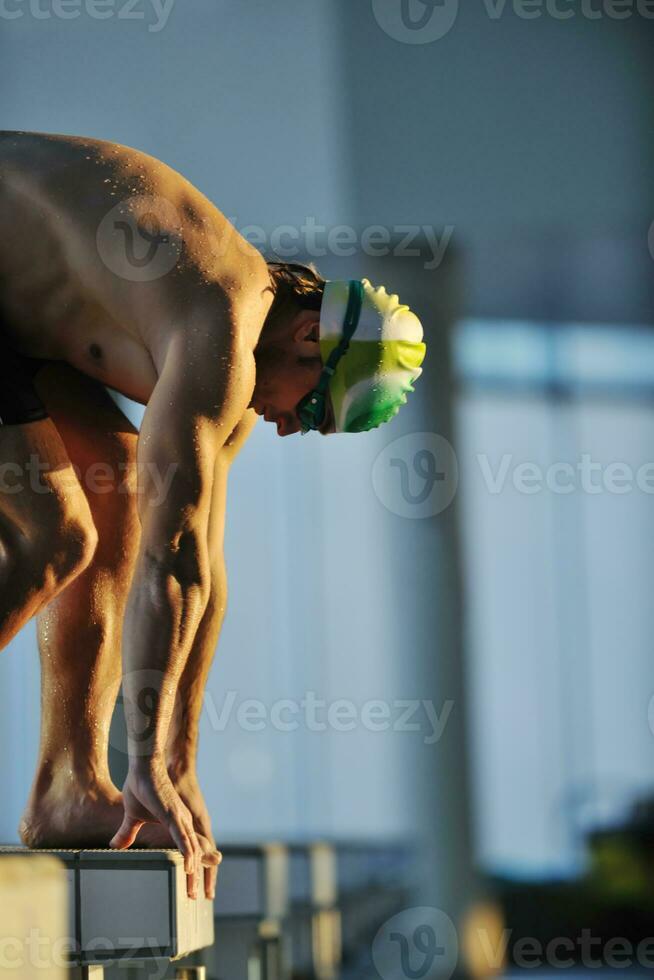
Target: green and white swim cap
[{"x": 373, "y": 377}]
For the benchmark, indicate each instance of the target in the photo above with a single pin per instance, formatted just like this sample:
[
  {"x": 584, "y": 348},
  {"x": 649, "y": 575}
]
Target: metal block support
[{"x": 129, "y": 906}]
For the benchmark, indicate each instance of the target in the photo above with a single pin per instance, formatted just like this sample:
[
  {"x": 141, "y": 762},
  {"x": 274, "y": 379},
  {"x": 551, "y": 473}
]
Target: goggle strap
[{"x": 352, "y": 315}]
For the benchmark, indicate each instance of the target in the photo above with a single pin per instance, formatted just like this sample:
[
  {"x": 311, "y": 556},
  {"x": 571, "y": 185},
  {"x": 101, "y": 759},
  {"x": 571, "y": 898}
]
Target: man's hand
[
  {"x": 150, "y": 797},
  {"x": 191, "y": 795}
]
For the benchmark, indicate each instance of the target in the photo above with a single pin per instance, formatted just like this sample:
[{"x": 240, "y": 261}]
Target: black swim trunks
[{"x": 19, "y": 400}]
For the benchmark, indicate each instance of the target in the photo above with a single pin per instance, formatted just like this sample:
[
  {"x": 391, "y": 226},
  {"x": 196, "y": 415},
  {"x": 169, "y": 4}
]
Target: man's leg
[
  {"x": 46, "y": 531},
  {"x": 73, "y": 799}
]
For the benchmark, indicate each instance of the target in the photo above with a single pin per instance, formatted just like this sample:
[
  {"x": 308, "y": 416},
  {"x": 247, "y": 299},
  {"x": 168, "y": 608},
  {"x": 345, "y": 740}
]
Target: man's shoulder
[{"x": 236, "y": 298}]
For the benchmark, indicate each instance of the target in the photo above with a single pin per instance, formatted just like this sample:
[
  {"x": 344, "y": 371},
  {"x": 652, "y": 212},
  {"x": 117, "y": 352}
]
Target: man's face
[{"x": 287, "y": 369}]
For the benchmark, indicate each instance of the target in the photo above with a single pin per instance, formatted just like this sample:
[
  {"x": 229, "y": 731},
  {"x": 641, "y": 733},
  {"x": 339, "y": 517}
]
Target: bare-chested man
[{"x": 116, "y": 272}]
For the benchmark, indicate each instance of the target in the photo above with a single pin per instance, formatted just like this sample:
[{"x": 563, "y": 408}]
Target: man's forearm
[
  {"x": 164, "y": 612},
  {"x": 184, "y": 729}
]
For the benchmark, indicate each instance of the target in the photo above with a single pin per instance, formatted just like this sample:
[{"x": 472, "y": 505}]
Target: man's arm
[
  {"x": 204, "y": 386},
  {"x": 184, "y": 730},
  {"x": 183, "y": 733}
]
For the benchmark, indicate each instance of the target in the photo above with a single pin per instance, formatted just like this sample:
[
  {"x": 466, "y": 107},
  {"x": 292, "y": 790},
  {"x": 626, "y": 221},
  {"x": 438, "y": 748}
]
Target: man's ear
[{"x": 306, "y": 333}]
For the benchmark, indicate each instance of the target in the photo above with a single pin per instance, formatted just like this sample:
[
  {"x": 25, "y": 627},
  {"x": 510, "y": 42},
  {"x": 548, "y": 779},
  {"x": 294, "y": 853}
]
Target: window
[{"x": 555, "y": 437}]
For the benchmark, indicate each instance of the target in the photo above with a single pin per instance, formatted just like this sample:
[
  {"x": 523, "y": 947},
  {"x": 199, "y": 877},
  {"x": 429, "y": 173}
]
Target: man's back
[
  {"x": 113, "y": 264},
  {"x": 106, "y": 250}
]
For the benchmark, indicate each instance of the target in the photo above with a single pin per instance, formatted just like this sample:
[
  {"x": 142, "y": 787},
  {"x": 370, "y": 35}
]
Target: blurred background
[{"x": 439, "y": 637}]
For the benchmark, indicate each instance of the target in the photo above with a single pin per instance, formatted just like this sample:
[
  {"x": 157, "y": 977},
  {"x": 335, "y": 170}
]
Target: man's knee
[
  {"x": 60, "y": 546},
  {"x": 76, "y": 547}
]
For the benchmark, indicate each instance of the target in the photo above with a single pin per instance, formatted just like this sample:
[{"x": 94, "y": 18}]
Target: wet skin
[{"x": 136, "y": 571}]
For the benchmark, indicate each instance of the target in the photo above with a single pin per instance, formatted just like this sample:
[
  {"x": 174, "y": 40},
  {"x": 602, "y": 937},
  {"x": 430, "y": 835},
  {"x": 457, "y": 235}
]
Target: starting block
[{"x": 126, "y": 906}]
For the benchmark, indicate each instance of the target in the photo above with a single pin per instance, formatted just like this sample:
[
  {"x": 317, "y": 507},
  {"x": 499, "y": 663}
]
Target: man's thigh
[
  {"x": 101, "y": 443},
  {"x": 36, "y": 476},
  {"x": 47, "y": 537},
  {"x": 38, "y": 485}
]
